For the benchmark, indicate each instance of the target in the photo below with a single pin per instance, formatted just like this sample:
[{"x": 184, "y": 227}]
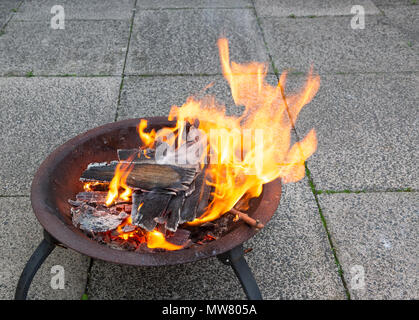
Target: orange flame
[
  {"x": 118, "y": 181},
  {"x": 155, "y": 239},
  {"x": 244, "y": 166},
  {"x": 244, "y": 152}
]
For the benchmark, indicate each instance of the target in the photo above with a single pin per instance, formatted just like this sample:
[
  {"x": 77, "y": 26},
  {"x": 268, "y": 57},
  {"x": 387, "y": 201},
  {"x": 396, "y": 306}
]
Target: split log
[
  {"x": 145, "y": 176},
  {"x": 173, "y": 210},
  {"x": 195, "y": 204}
]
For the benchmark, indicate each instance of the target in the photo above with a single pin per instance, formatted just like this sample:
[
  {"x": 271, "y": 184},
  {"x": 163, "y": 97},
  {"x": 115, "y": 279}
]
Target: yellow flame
[
  {"x": 155, "y": 239},
  {"x": 245, "y": 151}
]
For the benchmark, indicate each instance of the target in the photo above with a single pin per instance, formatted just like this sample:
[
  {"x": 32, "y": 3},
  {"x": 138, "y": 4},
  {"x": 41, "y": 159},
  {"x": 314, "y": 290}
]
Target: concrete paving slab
[
  {"x": 39, "y": 114},
  {"x": 331, "y": 45},
  {"x": 291, "y": 259},
  {"x": 393, "y": 3},
  {"x": 181, "y": 4},
  {"x": 377, "y": 242},
  {"x": 185, "y": 41},
  {"x": 7, "y": 8},
  {"x": 301, "y": 8},
  {"x": 206, "y": 279},
  {"x": 21, "y": 234},
  {"x": 153, "y": 96},
  {"x": 366, "y": 130},
  {"x": 405, "y": 18},
  {"x": 77, "y": 9},
  {"x": 82, "y": 48}
]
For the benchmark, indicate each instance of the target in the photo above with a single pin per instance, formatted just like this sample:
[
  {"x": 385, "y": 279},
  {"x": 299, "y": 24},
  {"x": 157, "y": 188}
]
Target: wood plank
[
  {"x": 173, "y": 210},
  {"x": 152, "y": 205},
  {"x": 195, "y": 204}
]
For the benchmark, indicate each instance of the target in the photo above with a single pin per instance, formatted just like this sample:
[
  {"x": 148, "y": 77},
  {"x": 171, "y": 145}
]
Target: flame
[
  {"x": 245, "y": 152},
  {"x": 155, "y": 239},
  {"x": 242, "y": 166},
  {"x": 118, "y": 181},
  {"x": 146, "y": 138},
  {"x": 88, "y": 186}
]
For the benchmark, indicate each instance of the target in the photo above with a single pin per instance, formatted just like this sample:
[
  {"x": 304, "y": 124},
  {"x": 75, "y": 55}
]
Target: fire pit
[
  {"x": 149, "y": 183},
  {"x": 57, "y": 180}
]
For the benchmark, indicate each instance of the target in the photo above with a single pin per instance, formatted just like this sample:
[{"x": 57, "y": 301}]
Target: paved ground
[{"x": 349, "y": 229}]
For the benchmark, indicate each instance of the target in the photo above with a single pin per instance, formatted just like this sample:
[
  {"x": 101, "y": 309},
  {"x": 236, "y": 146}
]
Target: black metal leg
[
  {"x": 38, "y": 257},
  {"x": 236, "y": 260}
]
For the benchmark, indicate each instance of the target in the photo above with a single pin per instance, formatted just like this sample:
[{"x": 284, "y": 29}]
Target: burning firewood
[
  {"x": 249, "y": 220},
  {"x": 164, "y": 192},
  {"x": 97, "y": 219},
  {"x": 144, "y": 176},
  {"x": 151, "y": 208}
]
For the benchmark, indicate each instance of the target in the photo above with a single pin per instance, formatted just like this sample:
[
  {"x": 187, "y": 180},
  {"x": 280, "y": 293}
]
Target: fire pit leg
[
  {"x": 236, "y": 260},
  {"x": 38, "y": 257}
]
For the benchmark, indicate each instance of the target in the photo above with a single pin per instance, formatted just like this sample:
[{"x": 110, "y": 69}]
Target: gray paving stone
[
  {"x": 77, "y": 9},
  {"x": 185, "y": 41},
  {"x": 21, "y": 234},
  {"x": 206, "y": 279},
  {"x": 153, "y": 96},
  {"x": 379, "y": 233},
  {"x": 298, "y": 8},
  {"x": 392, "y": 3},
  {"x": 180, "y": 4},
  {"x": 291, "y": 259},
  {"x": 330, "y": 45},
  {"x": 405, "y": 18},
  {"x": 6, "y": 10},
  {"x": 82, "y": 48},
  {"x": 39, "y": 114},
  {"x": 367, "y": 131}
]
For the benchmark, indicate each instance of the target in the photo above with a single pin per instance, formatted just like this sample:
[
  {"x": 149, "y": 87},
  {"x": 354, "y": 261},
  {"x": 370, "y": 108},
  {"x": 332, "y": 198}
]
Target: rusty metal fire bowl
[{"x": 57, "y": 180}]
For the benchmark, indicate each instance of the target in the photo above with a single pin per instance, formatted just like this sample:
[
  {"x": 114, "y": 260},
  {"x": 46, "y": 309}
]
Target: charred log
[
  {"x": 151, "y": 209},
  {"x": 195, "y": 204},
  {"x": 179, "y": 238},
  {"x": 173, "y": 211},
  {"x": 146, "y": 176}
]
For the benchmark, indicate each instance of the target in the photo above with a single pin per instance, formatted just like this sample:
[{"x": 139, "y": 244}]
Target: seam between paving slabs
[
  {"x": 14, "y": 196},
  {"x": 310, "y": 180},
  {"x": 12, "y": 14},
  {"x": 196, "y": 8},
  {"x": 329, "y": 237},
  {"x": 346, "y": 191},
  {"x": 396, "y": 25},
  {"x": 149, "y": 75},
  {"x": 125, "y": 62}
]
